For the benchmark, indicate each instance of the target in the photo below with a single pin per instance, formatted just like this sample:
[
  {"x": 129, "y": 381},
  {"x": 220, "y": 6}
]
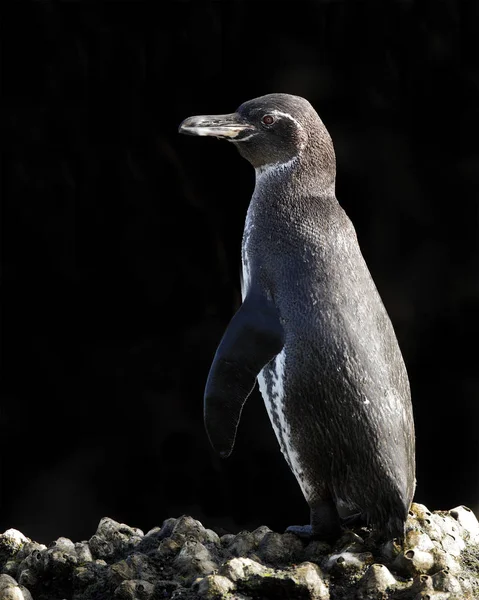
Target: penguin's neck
[{"x": 296, "y": 173}]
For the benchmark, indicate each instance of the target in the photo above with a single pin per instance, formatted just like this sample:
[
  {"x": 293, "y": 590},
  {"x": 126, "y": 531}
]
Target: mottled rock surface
[{"x": 439, "y": 560}]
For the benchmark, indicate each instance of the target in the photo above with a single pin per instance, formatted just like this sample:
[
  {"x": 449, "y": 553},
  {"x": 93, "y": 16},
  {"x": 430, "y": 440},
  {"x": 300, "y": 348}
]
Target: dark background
[{"x": 121, "y": 243}]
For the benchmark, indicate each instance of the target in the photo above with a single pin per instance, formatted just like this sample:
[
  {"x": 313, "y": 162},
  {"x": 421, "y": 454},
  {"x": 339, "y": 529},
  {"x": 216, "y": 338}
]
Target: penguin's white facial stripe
[{"x": 278, "y": 113}]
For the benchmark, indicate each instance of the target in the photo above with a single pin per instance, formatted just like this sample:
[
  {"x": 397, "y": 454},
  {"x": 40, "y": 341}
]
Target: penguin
[{"x": 312, "y": 330}]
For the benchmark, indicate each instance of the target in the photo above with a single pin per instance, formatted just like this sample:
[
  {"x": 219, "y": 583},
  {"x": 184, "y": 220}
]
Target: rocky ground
[{"x": 181, "y": 559}]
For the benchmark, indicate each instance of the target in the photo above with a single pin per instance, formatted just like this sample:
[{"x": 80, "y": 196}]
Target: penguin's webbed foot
[{"x": 305, "y": 532}]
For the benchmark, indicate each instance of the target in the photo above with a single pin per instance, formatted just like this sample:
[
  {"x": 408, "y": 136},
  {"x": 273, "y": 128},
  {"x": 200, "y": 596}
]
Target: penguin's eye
[{"x": 268, "y": 120}]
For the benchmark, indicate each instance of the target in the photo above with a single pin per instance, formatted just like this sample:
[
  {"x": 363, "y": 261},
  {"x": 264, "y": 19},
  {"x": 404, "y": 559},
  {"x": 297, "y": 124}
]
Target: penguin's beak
[{"x": 230, "y": 127}]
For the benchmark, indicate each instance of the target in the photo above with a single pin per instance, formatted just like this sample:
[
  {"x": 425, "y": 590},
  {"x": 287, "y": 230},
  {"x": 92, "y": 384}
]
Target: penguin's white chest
[
  {"x": 245, "y": 256},
  {"x": 271, "y": 382},
  {"x": 271, "y": 378}
]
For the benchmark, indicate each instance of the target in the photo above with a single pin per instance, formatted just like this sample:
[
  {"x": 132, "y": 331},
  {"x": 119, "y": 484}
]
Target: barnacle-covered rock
[
  {"x": 83, "y": 552},
  {"x": 11, "y": 542},
  {"x": 213, "y": 586},
  {"x": 11, "y": 590},
  {"x": 238, "y": 569},
  {"x": 444, "y": 581},
  {"x": 468, "y": 522},
  {"x": 113, "y": 539},
  {"x": 316, "y": 550},
  {"x": 438, "y": 559},
  {"x": 134, "y": 589},
  {"x": 304, "y": 581},
  {"x": 259, "y": 533},
  {"x": 60, "y": 556},
  {"x": 134, "y": 567},
  {"x": 279, "y": 548},
  {"x": 414, "y": 561},
  {"x": 375, "y": 582},
  {"x": 241, "y": 544},
  {"x": 194, "y": 560},
  {"x": 90, "y": 572}
]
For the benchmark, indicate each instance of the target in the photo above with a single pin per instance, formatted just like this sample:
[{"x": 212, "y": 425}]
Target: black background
[{"x": 121, "y": 243}]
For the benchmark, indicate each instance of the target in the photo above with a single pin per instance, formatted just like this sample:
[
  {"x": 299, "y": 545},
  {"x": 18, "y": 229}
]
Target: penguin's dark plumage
[{"x": 312, "y": 329}]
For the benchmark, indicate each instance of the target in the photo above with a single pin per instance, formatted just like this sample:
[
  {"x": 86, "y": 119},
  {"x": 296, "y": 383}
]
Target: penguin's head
[{"x": 269, "y": 130}]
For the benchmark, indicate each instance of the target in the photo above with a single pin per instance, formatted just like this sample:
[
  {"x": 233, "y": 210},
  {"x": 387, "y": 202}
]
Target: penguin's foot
[
  {"x": 325, "y": 521},
  {"x": 305, "y": 532}
]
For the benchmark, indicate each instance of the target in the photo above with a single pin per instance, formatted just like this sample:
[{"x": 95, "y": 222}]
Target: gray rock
[
  {"x": 316, "y": 550},
  {"x": 304, "y": 581},
  {"x": 166, "y": 528},
  {"x": 10, "y": 590},
  {"x": 83, "y": 552},
  {"x": 213, "y": 586},
  {"x": 279, "y": 548},
  {"x": 242, "y": 544},
  {"x": 5, "y": 581},
  {"x": 60, "y": 557},
  {"x": 227, "y": 539},
  {"x": 183, "y": 560},
  {"x": 259, "y": 533},
  {"x": 134, "y": 567},
  {"x": 134, "y": 589},
  {"x": 238, "y": 569},
  {"x": 113, "y": 539},
  {"x": 11, "y": 541},
  {"x": 468, "y": 521},
  {"x": 190, "y": 528},
  {"x": 376, "y": 581},
  {"x": 85, "y": 575},
  {"x": 212, "y": 537},
  {"x": 169, "y": 547},
  {"x": 194, "y": 560}
]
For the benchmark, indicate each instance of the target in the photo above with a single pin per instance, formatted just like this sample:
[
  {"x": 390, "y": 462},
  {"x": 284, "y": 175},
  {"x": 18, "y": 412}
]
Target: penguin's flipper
[{"x": 253, "y": 337}]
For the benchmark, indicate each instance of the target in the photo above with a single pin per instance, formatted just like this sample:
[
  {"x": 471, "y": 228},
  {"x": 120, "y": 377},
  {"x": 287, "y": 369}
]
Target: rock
[
  {"x": 183, "y": 560},
  {"x": 242, "y": 544},
  {"x": 134, "y": 567},
  {"x": 10, "y": 590},
  {"x": 238, "y": 569},
  {"x": 83, "y": 552},
  {"x": 166, "y": 528},
  {"x": 227, "y": 539},
  {"x": 376, "y": 581},
  {"x": 280, "y": 548},
  {"x": 113, "y": 539},
  {"x": 212, "y": 537},
  {"x": 213, "y": 586},
  {"x": 259, "y": 533},
  {"x": 310, "y": 577},
  {"x": 304, "y": 581},
  {"x": 468, "y": 521},
  {"x": 190, "y": 528},
  {"x": 11, "y": 541},
  {"x": 169, "y": 547},
  {"x": 194, "y": 560},
  {"x": 6, "y": 581},
  {"x": 134, "y": 589},
  {"x": 316, "y": 550}
]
